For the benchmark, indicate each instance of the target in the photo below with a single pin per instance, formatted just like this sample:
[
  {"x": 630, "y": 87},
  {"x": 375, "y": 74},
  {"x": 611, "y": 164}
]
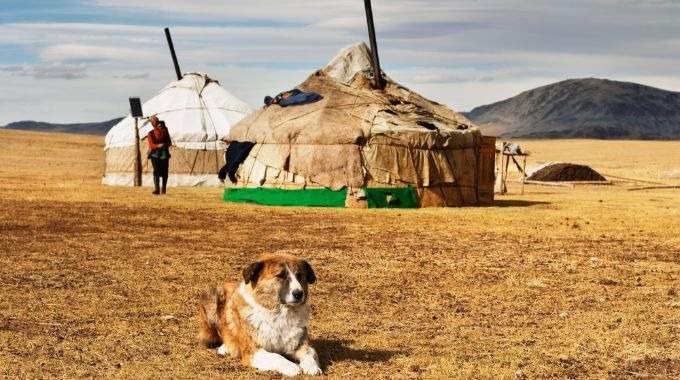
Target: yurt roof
[
  {"x": 352, "y": 113},
  {"x": 351, "y": 109}
]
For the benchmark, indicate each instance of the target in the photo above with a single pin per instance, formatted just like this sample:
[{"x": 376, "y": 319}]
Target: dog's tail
[{"x": 210, "y": 308}]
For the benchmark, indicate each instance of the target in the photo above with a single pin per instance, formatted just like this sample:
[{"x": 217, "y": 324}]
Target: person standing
[{"x": 159, "y": 153}]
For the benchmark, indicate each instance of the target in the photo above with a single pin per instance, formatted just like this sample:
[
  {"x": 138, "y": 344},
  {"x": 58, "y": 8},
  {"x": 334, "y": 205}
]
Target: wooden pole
[
  {"x": 178, "y": 72},
  {"x": 499, "y": 173},
  {"x": 524, "y": 172},
  {"x": 377, "y": 72},
  {"x": 556, "y": 184},
  {"x": 138, "y": 156},
  {"x": 654, "y": 188},
  {"x": 626, "y": 179},
  {"x": 505, "y": 179}
]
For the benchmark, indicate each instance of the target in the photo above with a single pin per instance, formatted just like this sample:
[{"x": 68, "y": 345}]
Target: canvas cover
[
  {"x": 357, "y": 137},
  {"x": 198, "y": 113}
]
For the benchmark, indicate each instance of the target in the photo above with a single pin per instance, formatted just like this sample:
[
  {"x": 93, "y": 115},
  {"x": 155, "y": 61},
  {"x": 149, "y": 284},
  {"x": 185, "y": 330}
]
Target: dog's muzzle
[{"x": 294, "y": 298}]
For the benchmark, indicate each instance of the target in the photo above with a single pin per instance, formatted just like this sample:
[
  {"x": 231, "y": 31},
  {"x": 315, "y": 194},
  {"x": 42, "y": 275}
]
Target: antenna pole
[
  {"x": 172, "y": 53},
  {"x": 377, "y": 73},
  {"x": 138, "y": 156}
]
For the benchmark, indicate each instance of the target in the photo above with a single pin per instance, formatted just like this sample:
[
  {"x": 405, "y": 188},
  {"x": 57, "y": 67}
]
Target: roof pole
[
  {"x": 377, "y": 73},
  {"x": 172, "y": 53}
]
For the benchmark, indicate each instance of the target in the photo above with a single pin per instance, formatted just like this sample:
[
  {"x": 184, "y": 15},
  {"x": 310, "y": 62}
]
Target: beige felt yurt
[
  {"x": 362, "y": 147},
  {"x": 198, "y": 113}
]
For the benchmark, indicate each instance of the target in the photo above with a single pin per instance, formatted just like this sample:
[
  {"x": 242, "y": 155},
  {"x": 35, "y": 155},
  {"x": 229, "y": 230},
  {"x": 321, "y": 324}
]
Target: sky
[{"x": 79, "y": 60}]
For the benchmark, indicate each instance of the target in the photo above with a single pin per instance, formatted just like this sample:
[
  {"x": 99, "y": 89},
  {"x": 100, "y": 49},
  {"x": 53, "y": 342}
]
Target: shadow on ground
[
  {"x": 516, "y": 203},
  {"x": 332, "y": 351}
]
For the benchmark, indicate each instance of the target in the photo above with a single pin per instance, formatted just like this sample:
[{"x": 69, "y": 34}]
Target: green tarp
[
  {"x": 401, "y": 197},
  {"x": 404, "y": 197},
  {"x": 281, "y": 197}
]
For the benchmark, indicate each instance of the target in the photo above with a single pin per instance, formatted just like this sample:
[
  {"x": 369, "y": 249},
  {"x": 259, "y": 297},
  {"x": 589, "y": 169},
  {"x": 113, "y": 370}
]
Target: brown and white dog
[{"x": 263, "y": 319}]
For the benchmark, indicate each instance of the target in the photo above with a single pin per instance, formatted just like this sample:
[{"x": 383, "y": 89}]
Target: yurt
[
  {"x": 198, "y": 113},
  {"x": 361, "y": 147}
]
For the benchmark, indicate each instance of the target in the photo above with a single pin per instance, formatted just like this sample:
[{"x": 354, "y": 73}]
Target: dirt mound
[{"x": 566, "y": 172}]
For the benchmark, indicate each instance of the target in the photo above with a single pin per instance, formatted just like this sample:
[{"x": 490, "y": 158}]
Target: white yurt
[{"x": 198, "y": 113}]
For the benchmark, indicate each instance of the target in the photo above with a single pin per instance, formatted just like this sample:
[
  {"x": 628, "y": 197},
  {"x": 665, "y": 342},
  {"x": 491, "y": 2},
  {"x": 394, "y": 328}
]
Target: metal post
[
  {"x": 172, "y": 53},
  {"x": 377, "y": 73},
  {"x": 138, "y": 156}
]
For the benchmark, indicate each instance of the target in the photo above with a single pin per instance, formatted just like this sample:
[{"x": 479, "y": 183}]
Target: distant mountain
[
  {"x": 82, "y": 128},
  {"x": 584, "y": 108}
]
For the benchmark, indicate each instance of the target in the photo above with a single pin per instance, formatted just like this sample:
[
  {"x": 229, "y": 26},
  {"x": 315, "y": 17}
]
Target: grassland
[{"x": 585, "y": 283}]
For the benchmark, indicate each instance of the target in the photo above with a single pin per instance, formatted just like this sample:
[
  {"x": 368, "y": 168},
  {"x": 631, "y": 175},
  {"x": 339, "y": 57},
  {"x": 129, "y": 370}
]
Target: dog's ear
[
  {"x": 309, "y": 272},
  {"x": 251, "y": 273}
]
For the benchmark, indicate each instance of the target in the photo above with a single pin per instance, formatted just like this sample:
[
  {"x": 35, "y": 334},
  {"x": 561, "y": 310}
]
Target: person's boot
[
  {"x": 165, "y": 184},
  {"x": 155, "y": 186}
]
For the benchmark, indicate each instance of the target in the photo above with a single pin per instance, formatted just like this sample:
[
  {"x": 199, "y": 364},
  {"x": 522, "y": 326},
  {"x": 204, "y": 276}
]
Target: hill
[
  {"x": 81, "y": 128},
  {"x": 584, "y": 108}
]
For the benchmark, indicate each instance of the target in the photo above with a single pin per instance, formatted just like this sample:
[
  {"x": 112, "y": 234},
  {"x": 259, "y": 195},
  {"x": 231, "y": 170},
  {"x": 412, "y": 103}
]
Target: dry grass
[
  {"x": 650, "y": 160},
  {"x": 99, "y": 281}
]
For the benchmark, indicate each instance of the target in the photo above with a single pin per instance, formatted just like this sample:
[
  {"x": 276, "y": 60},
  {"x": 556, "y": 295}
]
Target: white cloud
[
  {"x": 289, "y": 11},
  {"x": 54, "y": 71},
  {"x": 83, "y": 53},
  {"x": 463, "y": 53},
  {"x": 133, "y": 76}
]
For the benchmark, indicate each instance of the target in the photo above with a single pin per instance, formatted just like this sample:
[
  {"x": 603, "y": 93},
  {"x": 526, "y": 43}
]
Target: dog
[{"x": 263, "y": 319}]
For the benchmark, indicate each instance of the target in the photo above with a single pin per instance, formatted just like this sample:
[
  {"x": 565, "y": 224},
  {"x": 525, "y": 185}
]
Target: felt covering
[
  {"x": 358, "y": 137},
  {"x": 198, "y": 113}
]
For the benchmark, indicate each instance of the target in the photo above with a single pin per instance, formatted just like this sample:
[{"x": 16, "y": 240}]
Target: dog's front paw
[
  {"x": 269, "y": 361},
  {"x": 310, "y": 366},
  {"x": 222, "y": 350},
  {"x": 289, "y": 369}
]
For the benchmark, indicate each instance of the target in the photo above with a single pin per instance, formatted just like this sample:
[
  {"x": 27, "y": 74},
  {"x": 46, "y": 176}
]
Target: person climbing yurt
[
  {"x": 358, "y": 146},
  {"x": 198, "y": 113}
]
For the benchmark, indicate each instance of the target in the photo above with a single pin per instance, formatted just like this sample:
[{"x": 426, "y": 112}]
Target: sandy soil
[{"x": 584, "y": 283}]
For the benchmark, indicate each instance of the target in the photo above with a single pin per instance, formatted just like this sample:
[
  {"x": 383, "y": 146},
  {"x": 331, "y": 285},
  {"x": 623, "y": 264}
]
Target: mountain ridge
[
  {"x": 96, "y": 128},
  {"x": 573, "y": 108},
  {"x": 584, "y": 108}
]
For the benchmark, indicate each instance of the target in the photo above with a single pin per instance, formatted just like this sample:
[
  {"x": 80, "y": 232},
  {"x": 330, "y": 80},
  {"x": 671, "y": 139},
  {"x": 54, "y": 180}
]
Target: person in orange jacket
[{"x": 159, "y": 153}]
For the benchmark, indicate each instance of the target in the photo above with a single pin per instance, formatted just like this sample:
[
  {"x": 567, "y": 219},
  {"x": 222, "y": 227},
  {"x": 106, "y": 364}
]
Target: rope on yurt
[
  {"x": 205, "y": 110},
  {"x": 193, "y": 165},
  {"x": 246, "y": 179}
]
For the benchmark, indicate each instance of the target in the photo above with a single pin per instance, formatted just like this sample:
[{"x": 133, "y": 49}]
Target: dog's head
[{"x": 279, "y": 280}]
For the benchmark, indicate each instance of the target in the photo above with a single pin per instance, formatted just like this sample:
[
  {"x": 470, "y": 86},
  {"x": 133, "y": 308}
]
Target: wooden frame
[{"x": 504, "y": 164}]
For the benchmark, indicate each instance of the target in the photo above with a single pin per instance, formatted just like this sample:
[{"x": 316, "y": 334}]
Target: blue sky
[{"x": 79, "y": 60}]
